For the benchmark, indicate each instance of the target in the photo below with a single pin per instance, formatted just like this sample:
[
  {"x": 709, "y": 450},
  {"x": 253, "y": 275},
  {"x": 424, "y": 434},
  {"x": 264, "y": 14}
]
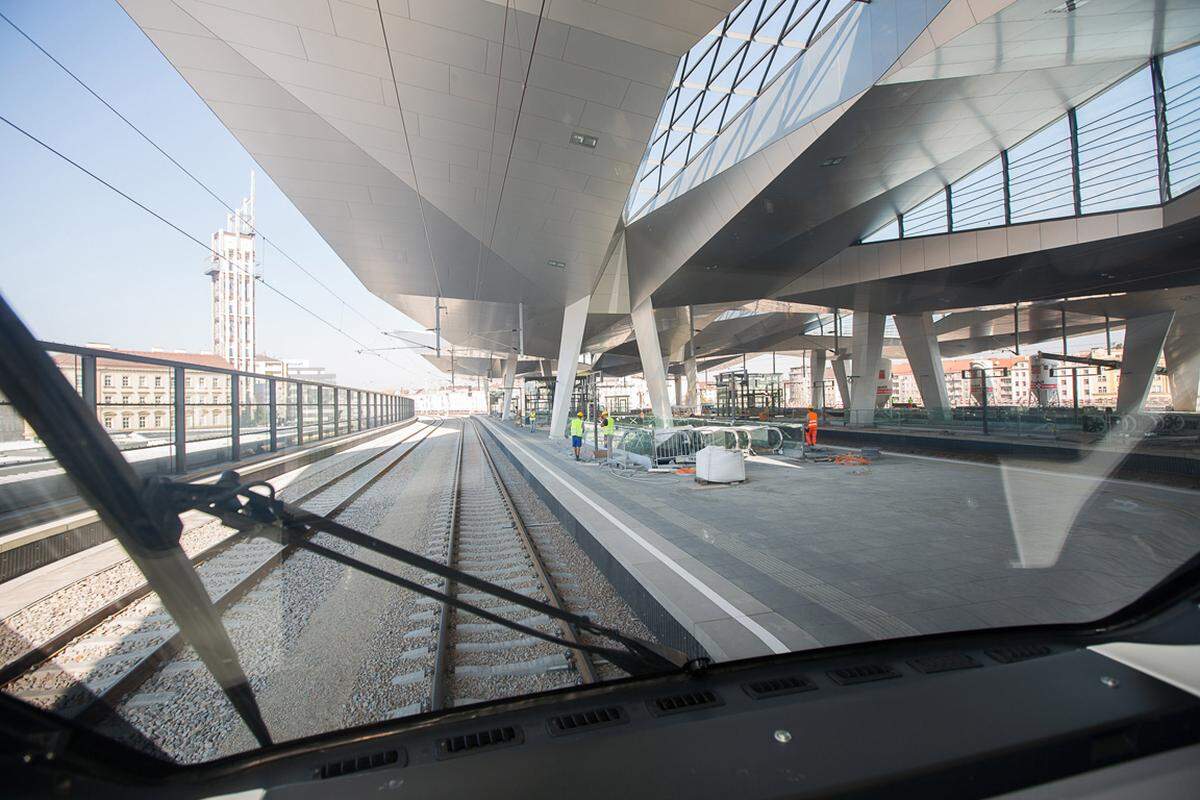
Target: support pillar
[
  {"x": 510, "y": 379},
  {"x": 692, "y": 400},
  {"x": 1182, "y": 354},
  {"x": 925, "y": 358},
  {"x": 646, "y": 331},
  {"x": 1144, "y": 339},
  {"x": 843, "y": 384},
  {"x": 574, "y": 318},
  {"x": 816, "y": 373},
  {"x": 867, "y": 348},
  {"x": 678, "y": 379}
]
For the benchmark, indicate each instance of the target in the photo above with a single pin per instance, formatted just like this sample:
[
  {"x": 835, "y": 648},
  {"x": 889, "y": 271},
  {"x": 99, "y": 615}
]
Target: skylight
[{"x": 723, "y": 74}]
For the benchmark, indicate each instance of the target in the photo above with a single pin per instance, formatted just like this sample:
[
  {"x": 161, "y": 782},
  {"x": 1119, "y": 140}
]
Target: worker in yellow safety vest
[
  {"x": 810, "y": 429},
  {"x": 577, "y": 433},
  {"x": 607, "y": 429}
]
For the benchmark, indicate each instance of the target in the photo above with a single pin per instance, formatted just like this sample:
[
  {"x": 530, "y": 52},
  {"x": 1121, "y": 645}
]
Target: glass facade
[
  {"x": 1103, "y": 155},
  {"x": 723, "y": 74}
]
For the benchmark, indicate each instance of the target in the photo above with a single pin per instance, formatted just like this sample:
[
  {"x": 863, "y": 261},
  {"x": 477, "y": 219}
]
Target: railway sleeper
[{"x": 538, "y": 666}]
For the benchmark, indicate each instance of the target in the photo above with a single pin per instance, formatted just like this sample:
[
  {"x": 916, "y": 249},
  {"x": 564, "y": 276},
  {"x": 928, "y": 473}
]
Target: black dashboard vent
[
  {"x": 344, "y": 767},
  {"x": 947, "y": 662},
  {"x": 775, "y": 687},
  {"x": 574, "y": 722},
  {"x": 478, "y": 740},
  {"x": 686, "y": 701},
  {"x": 863, "y": 673},
  {"x": 1020, "y": 652}
]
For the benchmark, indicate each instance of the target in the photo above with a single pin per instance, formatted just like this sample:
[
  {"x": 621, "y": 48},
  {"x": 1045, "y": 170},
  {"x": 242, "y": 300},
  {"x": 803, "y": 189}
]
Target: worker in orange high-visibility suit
[{"x": 810, "y": 429}]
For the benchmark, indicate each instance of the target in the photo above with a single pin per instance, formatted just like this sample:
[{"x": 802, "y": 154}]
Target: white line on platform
[{"x": 729, "y": 608}]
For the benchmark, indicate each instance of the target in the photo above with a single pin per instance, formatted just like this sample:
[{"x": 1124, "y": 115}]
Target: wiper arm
[
  {"x": 139, "y": 520},
  {"x": 253, "y": 513}
]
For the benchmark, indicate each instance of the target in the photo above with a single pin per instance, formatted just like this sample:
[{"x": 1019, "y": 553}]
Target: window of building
[
  {"x": 158, "y": 381},
  {"x": 886, "y": 233},
  {"x": 977, "y": 199},
  {"x": 1039, "y": 170},
  {"x": 124, "y": 421},
  {"x": 124, "y": 381},
  {"x": 108, "y": 421},
  {"x": 202, "y": 382},
  {"x": 927, "y": 217},
  {"x": 141, "y": 420},
  {"x": 108, "y": 381},
  {"x": 1118, "y": 159}
]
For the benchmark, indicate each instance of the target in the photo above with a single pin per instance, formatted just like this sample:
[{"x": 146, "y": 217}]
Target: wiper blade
[
  {"x": 253, "y": 513},
  {"x": 140, "y": 522}
]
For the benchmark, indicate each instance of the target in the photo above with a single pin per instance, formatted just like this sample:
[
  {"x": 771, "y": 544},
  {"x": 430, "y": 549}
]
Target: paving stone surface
[{"x": 907, "y": 544}]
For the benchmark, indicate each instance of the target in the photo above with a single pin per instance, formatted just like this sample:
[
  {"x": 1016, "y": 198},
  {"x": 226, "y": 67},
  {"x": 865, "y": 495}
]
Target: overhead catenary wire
[
  {"x": 516, "y": 118},
  {"x": 491, "y": 144},
  {"x": 162, "y": 151},
  {"x": 412, "y": 163},
  {"x": 181, "y": 231}
]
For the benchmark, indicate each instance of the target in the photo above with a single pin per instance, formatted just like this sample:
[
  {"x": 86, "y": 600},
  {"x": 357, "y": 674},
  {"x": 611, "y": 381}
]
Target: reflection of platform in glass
[{"x": 804, "y": 555}]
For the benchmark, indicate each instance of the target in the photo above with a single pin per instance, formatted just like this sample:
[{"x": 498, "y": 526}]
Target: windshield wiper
[
  {"x": 40, "y": 393},
  {"x": 253, "y": 513}
]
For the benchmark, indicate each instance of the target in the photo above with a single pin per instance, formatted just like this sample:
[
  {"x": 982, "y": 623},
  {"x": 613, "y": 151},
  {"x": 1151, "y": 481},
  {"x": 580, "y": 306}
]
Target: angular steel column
[
  {"x": 1144, "y": 339},
  {"x": 692, "y": 399},
  {"x": 646, "y": 331},
  {"x": 843, "y": 384},
  {"x": 1182, "y": 354},
  {"x": 867, "y": 349},
  {"x": 574, "y": 318},
  {"x": 816, "y": 372},
  {"x": 510, "y": 379},
  {"x": 925, "y": 358}
]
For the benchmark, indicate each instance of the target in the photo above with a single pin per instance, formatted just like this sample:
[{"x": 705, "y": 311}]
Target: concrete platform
[{"x": 806, "y": 554}]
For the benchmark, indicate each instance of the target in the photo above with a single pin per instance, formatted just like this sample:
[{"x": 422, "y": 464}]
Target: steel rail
[
  {"x": 583, "y": 659},
  {"x": 441, "y": 658},
  {"x": 440, "y": 695},
  {"x": 39, "y": 655}
]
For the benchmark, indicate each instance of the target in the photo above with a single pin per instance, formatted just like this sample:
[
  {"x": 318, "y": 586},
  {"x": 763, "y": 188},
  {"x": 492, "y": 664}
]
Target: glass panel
[
  {"x": 739, "y": 56},
  {"x": 977, "y": 199},
  {"x": 286, "y": 395},
  {"x": 208, "y": 416},
  {"x": 1118, "y": 161},
  {"x": 886, "y": 233},
  {"x": 135, "y": 404},
  {"x": 1181, "y": 85},
  {"x": 1039, "y": 170},
  {"x": 254, "y": 417},
  {"x": 310, "y": 412},
  {"x": 928, "y": 217},
  {"x": 327, "y": 411}
]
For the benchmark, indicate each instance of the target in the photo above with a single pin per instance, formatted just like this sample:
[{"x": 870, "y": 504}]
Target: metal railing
[{"x": 170, "y": 416}]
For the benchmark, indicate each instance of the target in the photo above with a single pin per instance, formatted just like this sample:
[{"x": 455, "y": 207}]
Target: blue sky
[{"x": 82, "y": 265}]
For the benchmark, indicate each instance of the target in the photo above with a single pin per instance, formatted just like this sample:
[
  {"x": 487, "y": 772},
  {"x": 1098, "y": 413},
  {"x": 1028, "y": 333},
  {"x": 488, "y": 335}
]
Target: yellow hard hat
[{"x": 580, "y": 414}]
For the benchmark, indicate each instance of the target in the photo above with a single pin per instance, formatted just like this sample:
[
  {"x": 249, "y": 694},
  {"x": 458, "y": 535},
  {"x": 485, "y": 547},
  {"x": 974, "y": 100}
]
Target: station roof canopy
[{"x": 514, "y": 157}]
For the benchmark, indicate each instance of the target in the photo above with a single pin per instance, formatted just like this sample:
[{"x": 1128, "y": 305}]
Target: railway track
[
  {"x": 475, "y": 659},
  {"x": 94, "y": 662}
]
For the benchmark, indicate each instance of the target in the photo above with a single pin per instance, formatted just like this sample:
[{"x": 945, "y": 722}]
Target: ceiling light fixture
[
  {"x": 833, "y": 162},
  {"x": 583, "y": 140},
  {"x": 550, "y": 262}
]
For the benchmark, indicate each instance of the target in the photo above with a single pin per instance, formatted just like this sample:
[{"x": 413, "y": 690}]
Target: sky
[{"x": 81, "y": 264}]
